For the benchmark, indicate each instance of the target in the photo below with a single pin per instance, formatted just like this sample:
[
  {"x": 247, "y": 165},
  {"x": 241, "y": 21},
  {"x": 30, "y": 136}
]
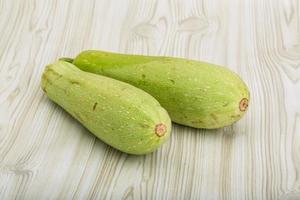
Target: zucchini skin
[
  {"x": 195, "y": 94},
  {"x": 119, "y": 114}
]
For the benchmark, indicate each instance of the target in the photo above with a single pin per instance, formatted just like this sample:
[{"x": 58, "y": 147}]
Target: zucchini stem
[{"x": 69, "y": 60}]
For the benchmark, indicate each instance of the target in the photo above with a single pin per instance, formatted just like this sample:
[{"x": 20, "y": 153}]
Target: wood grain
[{"x": 46, "y": 154}]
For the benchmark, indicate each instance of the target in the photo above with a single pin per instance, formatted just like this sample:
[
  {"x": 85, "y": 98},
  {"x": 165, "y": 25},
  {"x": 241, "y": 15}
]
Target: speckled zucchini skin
[
  {"x": 121, "y": 115},
  {"x": 194, "y": 93}
]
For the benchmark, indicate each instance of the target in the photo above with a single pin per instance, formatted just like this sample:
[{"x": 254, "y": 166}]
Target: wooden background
[{"x": 46, "y": 154}]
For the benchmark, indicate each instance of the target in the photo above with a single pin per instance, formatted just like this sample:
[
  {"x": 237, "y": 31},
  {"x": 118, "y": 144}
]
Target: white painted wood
[{"x": 46, "y": 154}]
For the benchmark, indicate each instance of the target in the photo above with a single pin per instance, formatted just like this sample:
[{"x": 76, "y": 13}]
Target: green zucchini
[
  {"x": 196, "y": 94},
  {"x": 120, "y": 114}
]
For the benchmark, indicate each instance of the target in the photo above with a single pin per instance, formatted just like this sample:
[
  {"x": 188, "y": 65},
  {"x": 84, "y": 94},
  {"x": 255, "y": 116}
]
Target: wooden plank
[{"x": 46, "y": 154}]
